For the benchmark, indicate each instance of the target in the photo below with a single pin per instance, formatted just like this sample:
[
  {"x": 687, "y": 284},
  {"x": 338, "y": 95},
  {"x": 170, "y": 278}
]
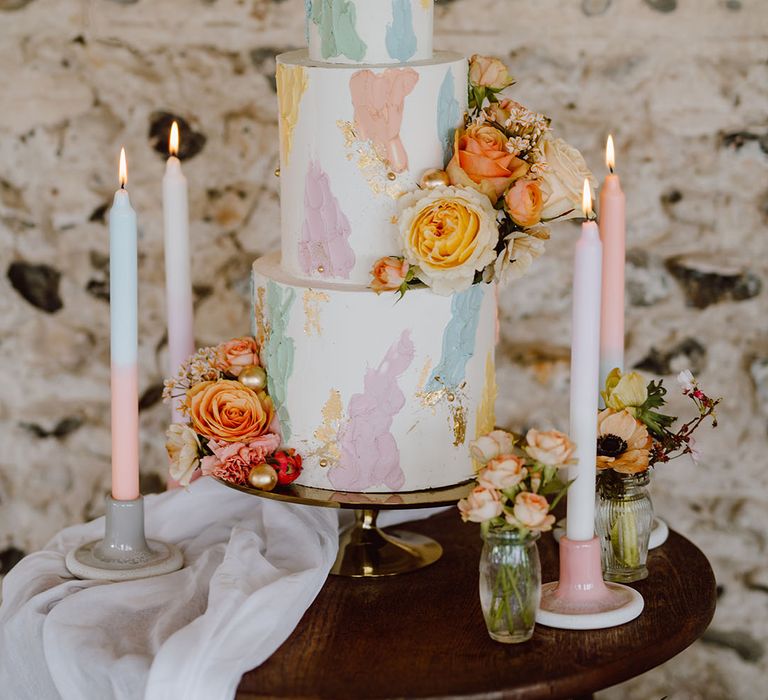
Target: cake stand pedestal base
[{"x": 365, "y": 551}]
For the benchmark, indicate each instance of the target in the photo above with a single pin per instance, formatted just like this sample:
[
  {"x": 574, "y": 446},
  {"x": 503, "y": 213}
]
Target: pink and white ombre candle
[
  {"x": 613, "y": 237},
  {"x": 178, "y": 280},
  {"x": 123, "y": 308}
]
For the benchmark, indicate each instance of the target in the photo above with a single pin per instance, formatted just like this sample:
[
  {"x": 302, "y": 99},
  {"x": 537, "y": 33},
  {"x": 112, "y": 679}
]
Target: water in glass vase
[
  {"x": 510, "y": 584},
  {"x": 623, "y": 520}
]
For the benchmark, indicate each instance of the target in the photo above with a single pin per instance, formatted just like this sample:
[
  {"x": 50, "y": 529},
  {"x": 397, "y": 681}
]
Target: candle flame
[
  {"x": 610, "y": 157},
  {"x": 123, "y": 170},
  {"x": 586, "y": 200},
  {"x": 173, "y": 140}
]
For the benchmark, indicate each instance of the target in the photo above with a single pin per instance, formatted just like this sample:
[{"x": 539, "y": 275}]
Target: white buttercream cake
[{"x": 377, "y": 394}]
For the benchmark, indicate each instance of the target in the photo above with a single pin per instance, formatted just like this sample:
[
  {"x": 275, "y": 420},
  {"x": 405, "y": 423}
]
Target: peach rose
[
  {"x": 228, "y": 411},
  {"x": 523, "y": 202},
  {"x": 488, "y": 72},
  {"x": 490, "y": 446},
  {"x": 504, "y": 472},
  {"x": 501, "y": 111},
  {"x": 481, "y": 161},
  {"x": 388, "y": 274},
  {"x": 480, "y": 505},
  {"x": 532, "y": 511},
  {"x": 237, "y": 354},
  {"x": 550, "y": 447},
  {"x": 563, "y": 179}
]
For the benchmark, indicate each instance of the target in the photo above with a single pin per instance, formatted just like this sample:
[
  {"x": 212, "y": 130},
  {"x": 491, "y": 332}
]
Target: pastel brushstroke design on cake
[
  {"x": 378, "y": 102},
  {"x": 458, "y": 340},
  {"x": 324, "y": 248},
  {"x": 307, "y": 18},
  {"x": 291, "y": 84},
  {"x": 448, "y": 115},
  {"x": 327, "y": 433},
  {"x": 279, "y": 351},
  {"x": 314, "y": 299},
  {"x": 401, "y": 39},
  {"x": 336, "y": 21},
  {"x": 369, "y": 453}
]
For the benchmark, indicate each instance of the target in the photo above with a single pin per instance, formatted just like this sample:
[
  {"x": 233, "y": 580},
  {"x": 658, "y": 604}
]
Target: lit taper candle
[
  {"x": 178, "y": 281},
  {"x": 123, "y": 307},
  {"x": 613, "y": 237},
  {"x": 585, "y": 361}
]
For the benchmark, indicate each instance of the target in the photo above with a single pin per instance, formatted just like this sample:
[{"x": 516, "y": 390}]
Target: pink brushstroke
[
  {"x": 369, "y": 453},
  {"x": 324, "y": 248},
  {"x": 378, "y": 101}
]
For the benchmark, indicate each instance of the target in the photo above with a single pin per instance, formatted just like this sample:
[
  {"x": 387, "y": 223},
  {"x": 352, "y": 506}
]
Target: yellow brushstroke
[
  {"x": 292, "y": 82},
  {"x": 486, "y": 409}
]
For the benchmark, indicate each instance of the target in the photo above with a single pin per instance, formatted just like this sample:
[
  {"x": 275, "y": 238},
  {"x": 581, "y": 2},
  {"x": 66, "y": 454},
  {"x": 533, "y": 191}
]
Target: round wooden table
[{"x": 422, "y": 634}]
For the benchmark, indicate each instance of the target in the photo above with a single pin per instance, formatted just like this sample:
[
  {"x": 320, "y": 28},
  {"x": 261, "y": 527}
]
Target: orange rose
[
  {"x": 388, "y": 274},
  {"x": 237, "y": 354},
  {"x": 481, "y": 161},
  {"x": 485, "y": 71},
  {"x": 226, "y": 410},
  {"x": 523, "y": 203}
]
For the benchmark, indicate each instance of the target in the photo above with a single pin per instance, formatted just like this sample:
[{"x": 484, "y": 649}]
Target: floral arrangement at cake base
[
  {"x": 484, "y": 217},
  {"x": 517, "y": 487},
  {"x": 633, "y": 436},
  {"x": 233, "y": 431}
]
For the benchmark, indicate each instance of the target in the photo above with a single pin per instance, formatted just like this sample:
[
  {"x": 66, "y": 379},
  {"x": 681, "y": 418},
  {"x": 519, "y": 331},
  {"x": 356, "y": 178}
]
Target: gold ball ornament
[
  {"x": 391, "y": 176},
  {"x": 277, "y": 172},
  {"x": 434, "y": 178},
  {"x": 253, "y": 377},
  {"x": 263, "y": 477}
]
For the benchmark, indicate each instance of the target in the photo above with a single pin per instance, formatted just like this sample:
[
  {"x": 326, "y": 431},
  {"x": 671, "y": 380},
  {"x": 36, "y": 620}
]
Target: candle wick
[
  {"x": 122, "y": 185},
  {"x": 610, "y": 167}
]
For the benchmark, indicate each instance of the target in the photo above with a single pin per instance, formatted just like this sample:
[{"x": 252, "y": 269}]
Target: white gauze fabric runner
[{"x": 252, "y": 568}]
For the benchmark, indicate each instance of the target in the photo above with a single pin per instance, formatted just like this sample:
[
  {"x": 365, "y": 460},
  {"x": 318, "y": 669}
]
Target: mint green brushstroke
[
  {"x": 401, "y": 39},
  {"x": 308, "y": 17},
  {"x": 458, "y": 339},
  {"x": 336, "y": 20},
  {"x": 448, "y": 115},
  {"x": 279, "y": 351}
]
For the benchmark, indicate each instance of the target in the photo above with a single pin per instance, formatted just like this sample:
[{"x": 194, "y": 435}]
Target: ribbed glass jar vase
[
  {"x": 623, "y": 519},
  {"x": 510, "y": 584}
]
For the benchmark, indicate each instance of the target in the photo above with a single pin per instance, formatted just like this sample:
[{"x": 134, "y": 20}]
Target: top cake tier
[{"x": 370, "y": 32}]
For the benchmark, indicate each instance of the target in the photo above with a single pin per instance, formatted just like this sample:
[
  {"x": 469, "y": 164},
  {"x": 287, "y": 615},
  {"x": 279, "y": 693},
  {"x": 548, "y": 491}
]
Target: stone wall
[{"x": 682, "y": 84}]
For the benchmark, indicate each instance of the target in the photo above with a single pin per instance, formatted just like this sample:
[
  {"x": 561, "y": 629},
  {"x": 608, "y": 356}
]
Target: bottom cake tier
[{"x": 376, "y": 394}]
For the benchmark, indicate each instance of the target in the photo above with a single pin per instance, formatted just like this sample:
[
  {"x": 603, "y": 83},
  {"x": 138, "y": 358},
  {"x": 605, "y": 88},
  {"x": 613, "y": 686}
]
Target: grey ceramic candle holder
[{"x": 124, "y": 553}]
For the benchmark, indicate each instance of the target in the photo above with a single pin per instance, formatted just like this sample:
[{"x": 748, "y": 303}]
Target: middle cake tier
[
  {"x": 376, "y": 394},
  {"x": 352, "y": 140}
]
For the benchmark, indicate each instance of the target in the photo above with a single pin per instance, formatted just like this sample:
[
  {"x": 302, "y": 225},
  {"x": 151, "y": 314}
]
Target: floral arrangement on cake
[
  {"x": 633, "y": 434},
  {"x": 484, "y": 217},
  {"x": 233, "y": 432},
  {"x": 514, "y": 479}
]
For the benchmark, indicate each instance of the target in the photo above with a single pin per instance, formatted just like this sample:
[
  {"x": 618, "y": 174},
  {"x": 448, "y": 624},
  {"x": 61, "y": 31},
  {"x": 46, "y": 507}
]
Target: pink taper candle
[
  {"x": 613, "y": 237},
  {"x": 123, "y": 307},
  {"x": 178, "y": 281},
  {"x": 585, "y": 361}
]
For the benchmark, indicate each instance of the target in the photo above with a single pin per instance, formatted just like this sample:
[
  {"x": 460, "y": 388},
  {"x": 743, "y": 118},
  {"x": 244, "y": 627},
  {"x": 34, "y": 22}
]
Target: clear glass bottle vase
[
  {"x": 510, "y": 584},
  {"x": 623, "y": 521}
]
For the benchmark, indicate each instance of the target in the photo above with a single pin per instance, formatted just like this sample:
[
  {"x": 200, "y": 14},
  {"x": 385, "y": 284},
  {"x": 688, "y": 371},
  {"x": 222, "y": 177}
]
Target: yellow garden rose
[{"x": 449, "y": 233}]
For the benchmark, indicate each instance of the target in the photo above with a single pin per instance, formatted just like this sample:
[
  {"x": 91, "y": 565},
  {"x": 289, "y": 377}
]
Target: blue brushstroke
[
  {"x": 458, "y": 339},
  {"x": 448, "y": 115},
  {"x": 336, "y": 21},
  {"x": 279, "y": 351},
  {"x": 401, "y": 39}
]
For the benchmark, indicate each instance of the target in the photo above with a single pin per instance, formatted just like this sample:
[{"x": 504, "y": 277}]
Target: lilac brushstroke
[
  {"x": 369, "y": 453},
  {"x": 324, "y": 248}
]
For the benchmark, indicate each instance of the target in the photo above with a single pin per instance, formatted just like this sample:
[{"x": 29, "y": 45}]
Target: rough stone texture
[{"x": 683, "y": 86}]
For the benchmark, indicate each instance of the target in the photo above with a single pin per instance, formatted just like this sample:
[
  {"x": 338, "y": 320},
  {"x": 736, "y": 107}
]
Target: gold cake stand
[{"x": 364, "y": 549}]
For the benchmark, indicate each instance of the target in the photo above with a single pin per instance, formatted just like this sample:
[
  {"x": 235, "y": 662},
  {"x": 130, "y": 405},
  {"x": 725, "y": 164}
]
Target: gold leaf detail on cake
[
  {"x": 312, "y": 301},
  {"x": 459, "y": 423},
  {"x": 327, "y": 434},
  {"x": 425, "y": 4},
  {"x": 486, "y": 409},
  {"x": 292, "y": 82},
  {"x": 371, "y": 161},
  {"x": 258, "y": 312}
]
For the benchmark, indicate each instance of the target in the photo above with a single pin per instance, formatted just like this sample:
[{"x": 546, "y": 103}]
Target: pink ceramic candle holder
[{"x": 581, "y": 600}]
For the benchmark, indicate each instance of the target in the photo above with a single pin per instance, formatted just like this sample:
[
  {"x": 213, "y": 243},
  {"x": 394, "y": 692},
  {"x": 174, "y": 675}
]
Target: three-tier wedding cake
[{"x": 376, "y": 392}]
